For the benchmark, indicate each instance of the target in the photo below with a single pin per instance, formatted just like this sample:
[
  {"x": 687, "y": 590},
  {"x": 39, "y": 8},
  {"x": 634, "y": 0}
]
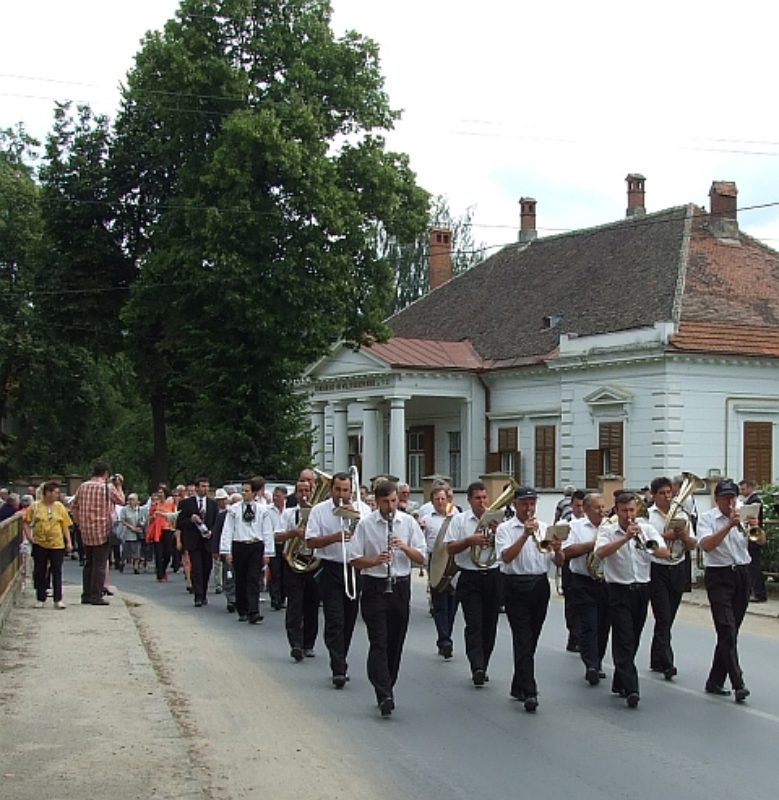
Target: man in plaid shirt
[{"x": 91, "y": 509}]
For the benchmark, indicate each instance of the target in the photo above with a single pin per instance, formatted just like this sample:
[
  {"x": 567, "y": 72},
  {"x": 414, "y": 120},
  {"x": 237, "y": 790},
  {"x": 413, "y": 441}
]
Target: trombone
[{"x": 349, "y": 519}]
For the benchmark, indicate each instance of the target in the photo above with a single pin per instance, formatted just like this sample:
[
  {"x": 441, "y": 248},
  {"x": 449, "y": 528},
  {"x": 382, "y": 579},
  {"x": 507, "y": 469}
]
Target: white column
[
  {"x": 397, "y": 437},
  {"x": 340, "y": 437},
  {"x": 318, "y": 438},
  {"x": 371, "y": 446},
  {"x": 466, "y": 440}
]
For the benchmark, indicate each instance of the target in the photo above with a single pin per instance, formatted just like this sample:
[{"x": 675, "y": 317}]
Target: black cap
[
  {"x": 726, "y": 487},
  {"x": 522, "y": 492}
]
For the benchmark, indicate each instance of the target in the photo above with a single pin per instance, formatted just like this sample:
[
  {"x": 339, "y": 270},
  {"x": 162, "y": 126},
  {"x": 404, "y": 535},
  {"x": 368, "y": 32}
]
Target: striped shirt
[{"x": 92, "y": 507}]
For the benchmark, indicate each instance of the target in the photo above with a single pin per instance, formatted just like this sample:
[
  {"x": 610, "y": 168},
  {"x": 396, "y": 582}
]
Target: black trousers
[
  {"x": 478, "y": 592},
  {"x": 571, "y": 618},
  {"x": 47, "y": 561},
  {"x": 444, "y": 605},
  {"x": 94, "y": 572},
  {"x": 163, "y": 550},
  {"x": 302, "y": 617},
  {"x": 386, "y": 618},
  {"x": 665, "y": 593},
  {"x": 628, "y": 604},
  {"x": 756, "y": 570},
  {"x": 728, "y": 591},
  {"x": 526, "y": 598},
  {"x": 340, "y": 613},
  {"x": 201, "y": 564},
  {"x": 247, "y": 573},
  {"x": 277, "y": 589},
  {"x": 590, "y": 600}
]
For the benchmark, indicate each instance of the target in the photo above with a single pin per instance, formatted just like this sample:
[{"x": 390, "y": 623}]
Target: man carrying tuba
[
  {"x": 668, "y": 579},
  {"x": 525, "y": 566},
  {"x": 589, "y": 596}
]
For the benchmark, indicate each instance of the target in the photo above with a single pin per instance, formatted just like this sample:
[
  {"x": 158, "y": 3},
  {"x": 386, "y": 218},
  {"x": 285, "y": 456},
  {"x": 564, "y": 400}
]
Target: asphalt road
[{"x": 262, "y": 724}]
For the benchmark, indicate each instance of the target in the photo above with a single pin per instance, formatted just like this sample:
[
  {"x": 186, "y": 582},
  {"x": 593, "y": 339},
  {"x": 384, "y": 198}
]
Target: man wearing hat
[
  {"x": 525, "y": 588},
  {"x": 217, "y": 573},
  {"x": 726, "y": 561}
]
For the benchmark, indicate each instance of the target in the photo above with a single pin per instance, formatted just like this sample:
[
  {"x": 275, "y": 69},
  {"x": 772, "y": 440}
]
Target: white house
[{"x": 639, "y": 348}]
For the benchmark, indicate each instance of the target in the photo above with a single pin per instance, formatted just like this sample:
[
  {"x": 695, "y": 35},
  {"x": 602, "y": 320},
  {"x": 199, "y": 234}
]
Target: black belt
[
  {"x": 253, "y": 541},
  {"x": 731, "y": 567},
  {"x": 393, "y": 578}
]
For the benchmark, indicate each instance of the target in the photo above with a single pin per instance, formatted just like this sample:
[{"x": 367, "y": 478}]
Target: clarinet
[{"x": 390, "y": 580}]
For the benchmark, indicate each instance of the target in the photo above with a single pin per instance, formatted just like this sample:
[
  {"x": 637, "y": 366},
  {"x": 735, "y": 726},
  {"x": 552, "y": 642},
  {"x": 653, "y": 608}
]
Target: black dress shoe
[
  {"x": 573, "y": 647},
  {"x": 518, "y": 696},
  {"x": 479, "y": 678},
  {"x": 632, "y": 699},
  {"x": 230, "y": 608},
  {"x": 243, "y": 618},
  {"x": 198, "y": 603},
  {"x": 445, "y": 651},
  {"x": 531, "y": 704},
  {"x": 255, "y": 619},
  {"x": 107, "y": 592},
  {"x": 592, "y": 677},
  {"x": 712, "y": 688},
  {"x": 669, "y": 673},
  {"x": 205, "y": 601},
  {"x": 296, "y": 653},
  {"x": 339, "y": 681},
  {"x": 742, "y": 694},
  {"x": 387, "y": 706},
  {"x": 99, "y": 602}
]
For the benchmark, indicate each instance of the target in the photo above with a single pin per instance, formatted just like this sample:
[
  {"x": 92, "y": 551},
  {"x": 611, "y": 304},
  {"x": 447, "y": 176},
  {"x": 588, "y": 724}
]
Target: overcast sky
[{"x": 550, "y": 99}]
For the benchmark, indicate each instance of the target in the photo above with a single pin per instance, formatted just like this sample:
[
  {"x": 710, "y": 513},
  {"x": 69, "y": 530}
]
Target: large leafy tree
[{"x": 253, "y": 177}]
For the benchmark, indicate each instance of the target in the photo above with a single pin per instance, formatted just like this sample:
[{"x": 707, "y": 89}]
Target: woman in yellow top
[{"x": 47, "y": 525}]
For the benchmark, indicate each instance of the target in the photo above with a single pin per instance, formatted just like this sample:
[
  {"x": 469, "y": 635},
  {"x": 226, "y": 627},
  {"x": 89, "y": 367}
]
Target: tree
[
  {"x": 254, "y": 175},
  {"x": 411, "y": 260}
]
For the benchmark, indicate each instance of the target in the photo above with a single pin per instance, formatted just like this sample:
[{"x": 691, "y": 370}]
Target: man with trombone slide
[
  {"x": 524, "y": 554},
  {"x": 626, "y": 548},
  {"x": 724, "y": 539},
  {"x": 328, "y": 531},
  {"x": 470, "y": 538},
  {"x": 384, "y": 545},
  {"x": 669, "y": 577}
]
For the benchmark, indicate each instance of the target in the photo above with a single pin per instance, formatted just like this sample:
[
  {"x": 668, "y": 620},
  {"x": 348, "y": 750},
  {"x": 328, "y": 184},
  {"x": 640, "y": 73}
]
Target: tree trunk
[{"x": 160, "y": 458}]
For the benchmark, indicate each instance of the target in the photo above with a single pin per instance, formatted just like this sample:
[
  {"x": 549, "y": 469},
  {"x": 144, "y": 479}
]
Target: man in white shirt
[
  {"x": 726, "y": 562},
  {"x": 443, "y": 602},
  {"x": 329, "y": 534},
  {"x": 574, "y": 511},
  {"x": 624, "y": 548},
  {"x": 275, "y": 512},
  {"x": 525, "y": 588},
  {"x": 478, "y": 588},
  {"x": 247, "y": 545},
  {"x": 302, "y": 617},
  {"x": 668, "y": 580},
  {"x": 588, "y": 593},
  {"x": 383, "y": 547}
]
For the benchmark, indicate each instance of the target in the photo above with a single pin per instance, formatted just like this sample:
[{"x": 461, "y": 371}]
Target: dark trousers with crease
[
  {"x": 756, "y": 570},
  {"x": 479, "y": 594},
  {"x": 201, "y": 562},
  {"x": 628, "y": 604},
  {"x": 302, "y": 617},
  {"x": 665, "y": 593},
  {"x": 572, "y": 622},
  {"x": 386, "y": 618},
  {"x": 95, "y": 568},
  {"x": 247, "y": 574},
  {"x": 591, "y": 603},
  {"x": 526, "y": 598},
  {"x": 340, "y": 613},
  {"x": 728, "y": 591}
]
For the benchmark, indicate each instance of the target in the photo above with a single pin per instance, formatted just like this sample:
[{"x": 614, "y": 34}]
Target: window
[
  {"x": 509, "y": 461},
  {"x": 419, "y": 449},
  {"x": 455, "y": 457},
  {"x": 355, "y": 453},
  {"x": 758, "y": 451},
  {"x": 607, "y": 458},
  {"x": 545, "y": 474}
]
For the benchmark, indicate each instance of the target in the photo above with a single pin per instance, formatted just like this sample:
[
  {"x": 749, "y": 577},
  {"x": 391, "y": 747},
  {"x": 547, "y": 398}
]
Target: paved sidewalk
[
  {"x": 82, "y": 711},
  {"x": 768, "y": 609}
]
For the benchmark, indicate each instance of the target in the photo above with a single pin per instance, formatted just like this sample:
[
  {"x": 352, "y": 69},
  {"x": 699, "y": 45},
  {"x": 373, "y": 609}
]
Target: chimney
[
  {"x": 635, "y": 184},
  {"x": 723, "y": 214},
  {"x": 440, "y": 255},
  {"x": 527, "y": 219}
]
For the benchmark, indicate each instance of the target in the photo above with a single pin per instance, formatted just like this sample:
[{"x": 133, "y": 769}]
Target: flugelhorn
[
  {"x": 678, "y": 518},
  {"x": 484, "y": 556}
]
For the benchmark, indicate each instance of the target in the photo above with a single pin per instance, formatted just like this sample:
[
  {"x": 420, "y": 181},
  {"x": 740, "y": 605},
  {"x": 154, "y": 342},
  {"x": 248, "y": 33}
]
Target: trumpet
[
  {"x": 554, "y": 533},
  {"x": 641, "y": 540},
  {"x": 754, "y": 533},
  {"x": 484, "y": 556}
]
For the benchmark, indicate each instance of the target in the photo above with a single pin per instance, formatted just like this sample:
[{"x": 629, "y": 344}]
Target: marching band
[{"x": 341, "y": 553}]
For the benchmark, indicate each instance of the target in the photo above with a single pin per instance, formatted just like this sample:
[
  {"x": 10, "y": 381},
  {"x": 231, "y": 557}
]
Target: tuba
[
  {"x": 484, "y": 556},
  {"x": 297, "y": 554},
  {"x": 678, "y": 518}
]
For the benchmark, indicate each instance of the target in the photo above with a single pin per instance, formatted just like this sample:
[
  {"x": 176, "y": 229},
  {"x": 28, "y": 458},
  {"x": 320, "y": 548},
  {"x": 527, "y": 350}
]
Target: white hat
[{"x": 221, "y": 494}]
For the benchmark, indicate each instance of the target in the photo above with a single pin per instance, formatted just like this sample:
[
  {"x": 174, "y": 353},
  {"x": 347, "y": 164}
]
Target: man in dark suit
[{"x": 196, "y": 519}]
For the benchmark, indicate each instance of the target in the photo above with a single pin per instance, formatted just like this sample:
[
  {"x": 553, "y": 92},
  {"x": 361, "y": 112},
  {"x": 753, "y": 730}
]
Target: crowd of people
[{"x": 346, "y": 549}]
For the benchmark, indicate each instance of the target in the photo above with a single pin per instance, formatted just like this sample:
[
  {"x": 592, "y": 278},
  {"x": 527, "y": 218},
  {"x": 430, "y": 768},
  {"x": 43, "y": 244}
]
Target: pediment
[
  {"x": 343, "y": 361},
  {"x": 608, "y": 396}
]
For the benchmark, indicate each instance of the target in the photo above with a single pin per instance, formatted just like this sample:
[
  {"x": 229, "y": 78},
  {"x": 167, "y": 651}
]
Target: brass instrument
[
  {"x": 484, "y": 556},
  {"x": 297, "y": 554},
  {"x": 754, "y": 533},
  {"x": 554, "y": 533},
  {"x": 594, "y": 565},
  {"x": 349, "y": 519},
  {"x": 442, "y": 566},
  {"x": 678, "y": 518}
]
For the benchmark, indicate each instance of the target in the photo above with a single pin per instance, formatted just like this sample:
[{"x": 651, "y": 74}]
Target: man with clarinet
[{"x": 383, "y": 548}]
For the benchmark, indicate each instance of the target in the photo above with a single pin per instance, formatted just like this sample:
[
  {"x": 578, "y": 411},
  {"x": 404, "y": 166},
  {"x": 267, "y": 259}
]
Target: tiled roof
[
  {"x": 427, "y": 354},
  {"x": 713, "y": 337},
  {"x": 615, "y": 277}
]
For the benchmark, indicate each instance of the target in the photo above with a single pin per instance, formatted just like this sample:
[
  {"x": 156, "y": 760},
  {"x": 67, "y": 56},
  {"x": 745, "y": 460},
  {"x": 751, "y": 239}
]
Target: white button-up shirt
[
  {"x": 530, "y": 560},
  {"x": 322, "y": 521},
  {"x": 432, "y": 526},
  {"x": 733, "y": 548},
  {"x": 629, "y": 564},
  {"x": 237, "y": 529},
  {"x": 371, "y": 538},
  {"x": 583, "y": 530},
  {"x": 462, "y": 526}
]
